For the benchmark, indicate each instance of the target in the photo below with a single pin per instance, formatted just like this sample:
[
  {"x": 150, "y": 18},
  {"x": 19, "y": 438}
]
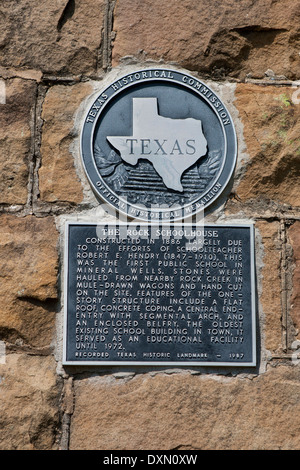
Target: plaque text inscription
[{"x": 159, "y": 295}]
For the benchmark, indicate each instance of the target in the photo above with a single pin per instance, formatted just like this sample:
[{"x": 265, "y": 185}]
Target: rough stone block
[
  {"x": 29, "y": 392},
  {"x": 186, "y": 412},
  {"x": 294, "y": 238},
  {"x": 226, "y": 38},
  {"x": 16, "y": 119},
  {"x": 29, "y": 263},
  {"x": 269, "y": 285},
  {"x": 55, "y": 36},
  {"x": 271, "y": 131},
  {"x": 57, "y": 176}
]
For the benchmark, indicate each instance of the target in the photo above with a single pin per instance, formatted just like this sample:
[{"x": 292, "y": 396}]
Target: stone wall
[{"x": 54, "y": 55}]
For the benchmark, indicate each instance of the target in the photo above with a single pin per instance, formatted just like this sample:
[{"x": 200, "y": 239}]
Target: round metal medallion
[{"x": 158, "y": 144}]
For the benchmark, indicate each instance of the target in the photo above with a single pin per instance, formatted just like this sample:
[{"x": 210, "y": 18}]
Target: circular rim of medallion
[{"x": 134, "y": 210}]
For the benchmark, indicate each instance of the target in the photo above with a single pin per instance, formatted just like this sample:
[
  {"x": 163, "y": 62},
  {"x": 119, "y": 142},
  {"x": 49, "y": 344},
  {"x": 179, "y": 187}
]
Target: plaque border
[
  {"x": 115, "y": 201},
  {"x": 89, "y": 363}
]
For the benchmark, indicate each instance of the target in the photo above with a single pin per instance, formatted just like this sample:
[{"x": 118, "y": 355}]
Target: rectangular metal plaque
[{"x": 181, "y": 295}]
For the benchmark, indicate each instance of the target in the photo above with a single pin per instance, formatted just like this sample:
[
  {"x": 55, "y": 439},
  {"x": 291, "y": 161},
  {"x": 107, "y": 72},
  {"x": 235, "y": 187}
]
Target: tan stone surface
[
  {"x": 28, "y": 289},
  {"x": 27, "y": 74},
  {"x": 28, "y": 403},
  {"x": 16, "y": 115},
  {"x": 56, "y": 36},
  {"x": 270, "y": 285},
  {"x": 294, "y": 237},
  {"x": 223, "y": 38},
  {"x": 57, "y": 176},
  {"x": 271, "y": 131},
  {"x": 183, "y": 411}
]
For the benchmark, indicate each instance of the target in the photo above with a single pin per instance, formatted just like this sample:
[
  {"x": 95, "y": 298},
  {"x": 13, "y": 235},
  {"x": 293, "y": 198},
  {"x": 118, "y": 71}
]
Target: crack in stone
[{"x": 67, "y": 13}]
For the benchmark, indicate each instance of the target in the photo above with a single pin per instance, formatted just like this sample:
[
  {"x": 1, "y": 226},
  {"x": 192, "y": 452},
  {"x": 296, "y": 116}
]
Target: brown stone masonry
[{"x": 54, "y": 55}]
